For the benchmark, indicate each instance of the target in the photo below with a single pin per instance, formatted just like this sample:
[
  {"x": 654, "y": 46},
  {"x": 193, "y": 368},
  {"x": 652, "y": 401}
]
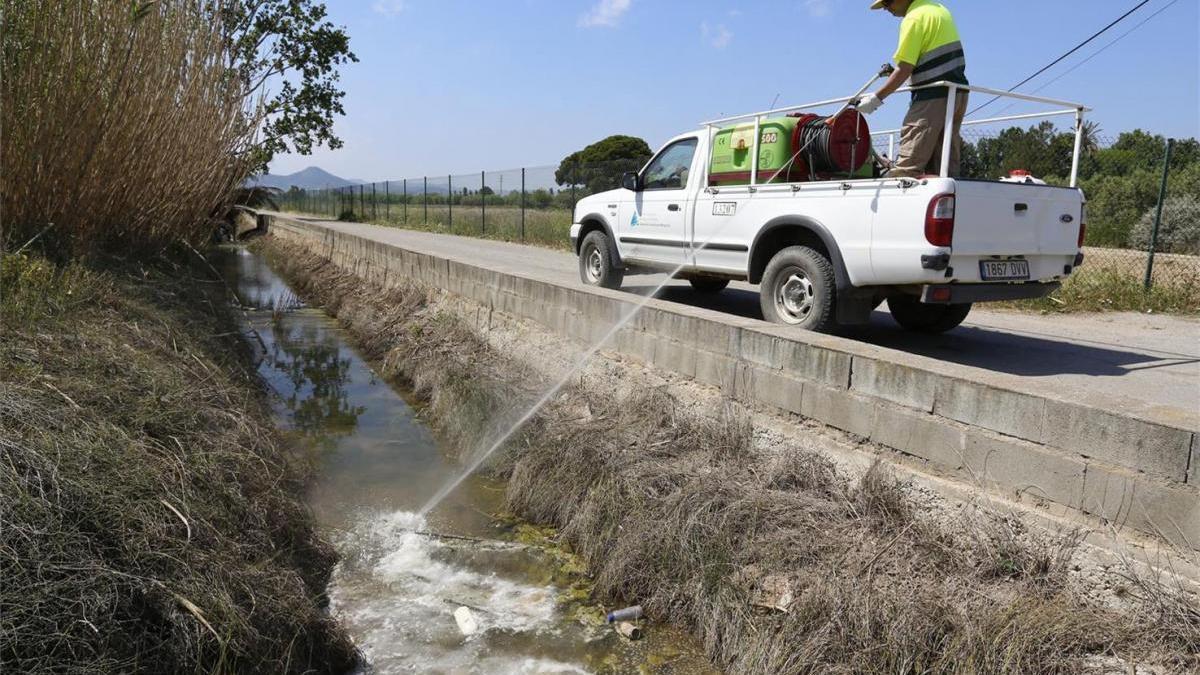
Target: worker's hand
[{"x": 869, "y": 104}]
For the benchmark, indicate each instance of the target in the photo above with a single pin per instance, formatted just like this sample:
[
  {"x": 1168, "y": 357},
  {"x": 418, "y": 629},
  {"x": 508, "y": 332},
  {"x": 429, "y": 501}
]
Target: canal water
[{"x": 401, "y": 577}]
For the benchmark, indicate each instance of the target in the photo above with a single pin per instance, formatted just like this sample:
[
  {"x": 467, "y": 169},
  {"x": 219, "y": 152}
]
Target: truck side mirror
[{"x": 629, "y": 181}]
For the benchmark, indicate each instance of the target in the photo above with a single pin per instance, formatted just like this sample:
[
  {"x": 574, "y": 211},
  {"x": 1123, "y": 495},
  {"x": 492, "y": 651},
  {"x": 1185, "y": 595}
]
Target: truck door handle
[
  {"x": 1019, "y": 207},
  {"x": 672, "y": 207}
]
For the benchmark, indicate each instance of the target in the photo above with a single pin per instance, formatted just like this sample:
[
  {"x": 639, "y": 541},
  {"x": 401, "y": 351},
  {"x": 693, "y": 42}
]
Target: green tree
[
  {"x": 1041, "y": 150},
  {"x": 287, "y": 52},
  {"x": 599, "y": 166}
]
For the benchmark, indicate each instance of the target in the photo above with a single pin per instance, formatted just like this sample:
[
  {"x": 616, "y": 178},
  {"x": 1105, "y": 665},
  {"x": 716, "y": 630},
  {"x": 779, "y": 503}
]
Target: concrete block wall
[{"x": 1129, "y": 471}]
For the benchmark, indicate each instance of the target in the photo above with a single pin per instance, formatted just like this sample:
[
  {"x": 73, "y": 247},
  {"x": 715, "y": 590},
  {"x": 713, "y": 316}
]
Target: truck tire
[
  {"x": 708, "y": 284},
  {"x": 596, "y": 264},
  {"x": 799, "y": 289},
  {"x": 913, "y": 315}
]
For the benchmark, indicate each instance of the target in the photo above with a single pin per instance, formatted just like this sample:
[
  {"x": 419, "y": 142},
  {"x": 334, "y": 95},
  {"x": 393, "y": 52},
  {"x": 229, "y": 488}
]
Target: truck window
[{"x": 669, "y": 171}]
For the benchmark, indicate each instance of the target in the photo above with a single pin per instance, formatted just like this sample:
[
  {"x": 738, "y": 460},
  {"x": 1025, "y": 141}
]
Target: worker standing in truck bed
[{"x": 929, "y": 51}]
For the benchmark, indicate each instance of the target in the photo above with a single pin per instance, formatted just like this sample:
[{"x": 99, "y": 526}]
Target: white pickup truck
[{"x": 828, "y": 251}]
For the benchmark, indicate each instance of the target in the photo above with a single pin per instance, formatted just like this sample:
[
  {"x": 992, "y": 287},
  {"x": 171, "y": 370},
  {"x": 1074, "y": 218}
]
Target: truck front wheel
[
  {"x": 798, "y": 289},
  {"x": 596, "y": 262},
  {"x": 916, "y": 316}
]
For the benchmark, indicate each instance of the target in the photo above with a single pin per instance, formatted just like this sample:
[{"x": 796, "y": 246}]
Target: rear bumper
[{"x": 960, "y": 294}]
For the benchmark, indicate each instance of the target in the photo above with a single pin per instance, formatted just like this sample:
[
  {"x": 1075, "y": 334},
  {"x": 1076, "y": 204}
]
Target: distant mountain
[{"x": 308, "y": 179}]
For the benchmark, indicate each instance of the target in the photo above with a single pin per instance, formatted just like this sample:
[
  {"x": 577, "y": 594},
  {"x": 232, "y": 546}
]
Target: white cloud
[
  {"x": 389, "y": 7},
  {"x": 606, "y": 13},
  {"x": 818, "y": 8},
  {"x": 718, "y": 36}
]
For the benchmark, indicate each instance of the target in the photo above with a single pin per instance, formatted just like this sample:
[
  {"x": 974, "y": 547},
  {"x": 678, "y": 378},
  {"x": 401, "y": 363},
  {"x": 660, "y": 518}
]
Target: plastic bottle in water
[{"x": 628, "y": 614}]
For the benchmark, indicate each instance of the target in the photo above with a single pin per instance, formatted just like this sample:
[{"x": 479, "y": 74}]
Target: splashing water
[{"x": 396, "y": 587}]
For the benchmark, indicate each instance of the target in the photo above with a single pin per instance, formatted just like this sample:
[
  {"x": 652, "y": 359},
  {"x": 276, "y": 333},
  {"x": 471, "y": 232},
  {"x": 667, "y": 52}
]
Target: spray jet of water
[
  {"x": 558, "y": 385},
  {"x": 570, "y": 374}
]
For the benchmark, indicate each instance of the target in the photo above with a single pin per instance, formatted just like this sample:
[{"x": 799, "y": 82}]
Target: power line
[
  {"x": 1122, "y": 36},
  {"x": 1115, "y": 41},
  {"x": 1074, "y": 49}
]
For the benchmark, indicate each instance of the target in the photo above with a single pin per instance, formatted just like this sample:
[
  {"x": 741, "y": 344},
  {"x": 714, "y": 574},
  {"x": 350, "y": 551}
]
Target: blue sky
[{"x": 455, "y": 86}]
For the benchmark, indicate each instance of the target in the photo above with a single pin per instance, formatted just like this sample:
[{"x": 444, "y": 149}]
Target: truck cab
[{"x": 826, "y": 236}]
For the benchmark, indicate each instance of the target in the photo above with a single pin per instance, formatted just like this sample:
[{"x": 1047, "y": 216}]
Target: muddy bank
[
  {"x": 152, "y": 514},
  {"x": 772, "y": 556}
]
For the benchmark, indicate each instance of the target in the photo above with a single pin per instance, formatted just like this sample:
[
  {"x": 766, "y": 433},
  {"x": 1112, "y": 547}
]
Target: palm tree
[{"x": 1090, "y": 140}]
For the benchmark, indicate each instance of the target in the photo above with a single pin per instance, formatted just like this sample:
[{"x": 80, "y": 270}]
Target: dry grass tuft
[
  {"x": 123, "y": 128},
  {"x": 677, "y": 511},
  {"x": 151, "y": 520}
]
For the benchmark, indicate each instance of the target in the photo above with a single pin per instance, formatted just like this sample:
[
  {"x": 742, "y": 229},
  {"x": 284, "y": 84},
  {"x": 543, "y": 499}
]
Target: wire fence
[{"x": 1143, "y": 218}]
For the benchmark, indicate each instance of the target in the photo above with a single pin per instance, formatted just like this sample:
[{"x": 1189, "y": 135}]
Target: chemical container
[{"x": 828, "y": 150}]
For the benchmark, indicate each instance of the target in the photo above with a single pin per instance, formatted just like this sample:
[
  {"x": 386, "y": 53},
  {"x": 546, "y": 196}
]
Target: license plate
[{"x": 1003, "y": 270}]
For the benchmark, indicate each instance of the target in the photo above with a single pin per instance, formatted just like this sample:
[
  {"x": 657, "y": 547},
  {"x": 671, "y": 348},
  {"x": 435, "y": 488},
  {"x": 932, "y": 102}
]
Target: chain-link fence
[
  {"x": 1125, "y": 179},
  {"x": 531, "y": 204}
]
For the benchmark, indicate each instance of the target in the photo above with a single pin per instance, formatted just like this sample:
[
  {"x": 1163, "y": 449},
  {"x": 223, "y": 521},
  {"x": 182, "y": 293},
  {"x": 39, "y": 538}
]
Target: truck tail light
[
  {"x": 939, "y": 220},
  {"x": 1082, "y": 225}
]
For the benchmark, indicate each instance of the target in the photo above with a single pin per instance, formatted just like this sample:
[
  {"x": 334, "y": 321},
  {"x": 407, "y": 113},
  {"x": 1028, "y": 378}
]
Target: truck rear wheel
[
  {"x": 914, "y": 315},
  {"x": 708, "y": 284},
  {"x": 798, "y": 289},
  {"x": 596, "y": 262}
]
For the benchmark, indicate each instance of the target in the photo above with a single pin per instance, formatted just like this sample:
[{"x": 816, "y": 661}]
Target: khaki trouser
[{"x": 922, "y": 135}]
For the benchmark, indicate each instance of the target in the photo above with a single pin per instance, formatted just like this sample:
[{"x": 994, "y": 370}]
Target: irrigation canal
[{"x": 395, "y": 589}]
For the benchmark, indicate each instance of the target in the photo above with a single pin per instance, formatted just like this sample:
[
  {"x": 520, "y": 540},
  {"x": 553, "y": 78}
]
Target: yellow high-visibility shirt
[{"x": 929, "y": 42}]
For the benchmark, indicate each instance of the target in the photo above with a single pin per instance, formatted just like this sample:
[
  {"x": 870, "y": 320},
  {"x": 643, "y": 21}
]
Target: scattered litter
[
  {"x": 628, "y": 614},
  {"x": 467, "y": 624},
  {"x": 629, "y": 630}
]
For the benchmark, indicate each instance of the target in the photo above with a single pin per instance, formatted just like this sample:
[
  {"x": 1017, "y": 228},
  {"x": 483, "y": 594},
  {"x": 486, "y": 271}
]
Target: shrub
[{"x": 1179, "y": 231}]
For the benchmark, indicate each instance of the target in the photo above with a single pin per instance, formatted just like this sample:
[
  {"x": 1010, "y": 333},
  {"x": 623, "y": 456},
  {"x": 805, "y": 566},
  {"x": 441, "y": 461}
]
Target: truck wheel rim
[
  {"x": 795, "y": 298},
  {"x": 595, "y": 262}
]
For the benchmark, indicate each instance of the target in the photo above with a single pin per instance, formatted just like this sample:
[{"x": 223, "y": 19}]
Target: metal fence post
[
  {"x": 387, "y": 200},
  {"x": 425, "y": 192},
  {"x": 450, "y": 202},
  {"x": 405, "y": 202},
  {"x": 1162, "y": 196},
  {"x": 362, "y": 200},
  {"x": 522, "y": 203},
  {"x": 374, "y": 204},
  {"x": 482, "y": 202}
]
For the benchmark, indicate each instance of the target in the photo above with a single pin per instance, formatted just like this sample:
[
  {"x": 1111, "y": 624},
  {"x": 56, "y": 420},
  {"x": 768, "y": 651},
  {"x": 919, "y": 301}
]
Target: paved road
[{"x": 1117, "y": 358}]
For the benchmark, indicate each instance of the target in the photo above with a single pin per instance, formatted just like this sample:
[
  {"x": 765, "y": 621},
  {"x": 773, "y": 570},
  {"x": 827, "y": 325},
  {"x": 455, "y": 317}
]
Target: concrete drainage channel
[{"x": 1112, "y": 471}]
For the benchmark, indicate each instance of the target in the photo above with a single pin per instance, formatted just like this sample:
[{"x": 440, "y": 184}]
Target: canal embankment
[
  {"x": 153, "y": 516},
  {"x": 781, "y": 544}
]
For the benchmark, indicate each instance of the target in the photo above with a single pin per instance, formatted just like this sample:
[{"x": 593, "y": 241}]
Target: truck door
[{"x": 653, "y": 225}]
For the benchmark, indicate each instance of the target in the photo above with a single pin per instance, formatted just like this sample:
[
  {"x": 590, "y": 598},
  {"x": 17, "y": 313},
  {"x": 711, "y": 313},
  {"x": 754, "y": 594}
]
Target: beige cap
[{"x": 878, "y": 4}]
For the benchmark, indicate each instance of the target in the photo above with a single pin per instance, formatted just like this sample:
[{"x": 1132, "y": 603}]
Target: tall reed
[{"x": 124, "y": 124}]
